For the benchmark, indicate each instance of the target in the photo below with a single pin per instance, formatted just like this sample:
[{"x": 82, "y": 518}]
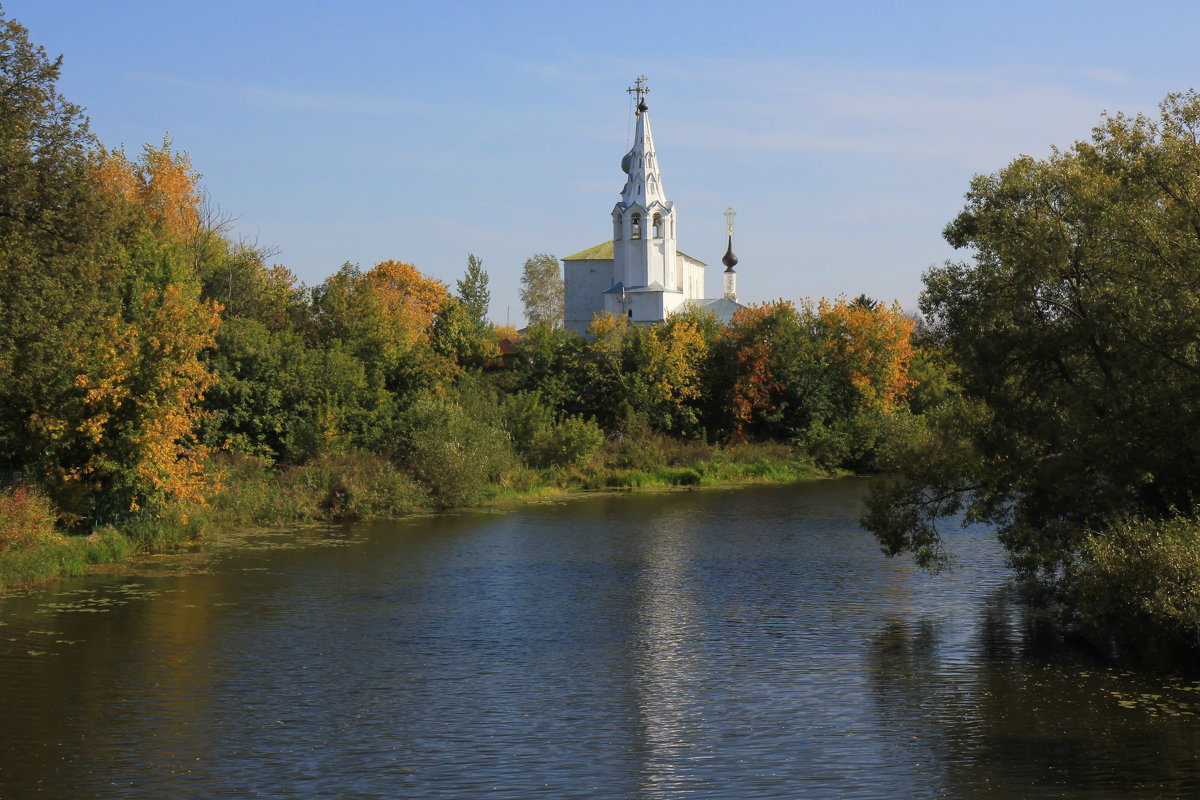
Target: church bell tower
[{"x": 644, "y": 252}]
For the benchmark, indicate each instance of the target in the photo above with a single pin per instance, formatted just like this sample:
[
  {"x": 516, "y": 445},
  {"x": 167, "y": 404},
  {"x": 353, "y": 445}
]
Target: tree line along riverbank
[{"x": 355, "y": 486}]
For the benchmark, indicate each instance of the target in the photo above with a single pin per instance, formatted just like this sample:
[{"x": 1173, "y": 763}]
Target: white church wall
[
  {"x": 584, "y": 282},
  {"x": 693, "y": 276},
  {"x": 656, "y": 271},
  {"x": 647, "y": 307},
  {"x": 642, "y": 308},
  {"x": 671, "y": 302}
]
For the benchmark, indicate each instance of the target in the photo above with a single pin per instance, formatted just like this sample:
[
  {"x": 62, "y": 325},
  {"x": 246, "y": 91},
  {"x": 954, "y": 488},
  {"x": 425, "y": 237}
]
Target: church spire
[
  {"x": 644, "y": 185},
  {"x": 729, "y": 260},
  {"x": 644, "y": 253}
]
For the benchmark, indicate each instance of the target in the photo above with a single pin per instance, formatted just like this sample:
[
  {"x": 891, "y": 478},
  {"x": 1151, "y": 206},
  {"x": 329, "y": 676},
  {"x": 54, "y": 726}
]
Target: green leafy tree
[
  {"x": 542, "y": 291},
  {"x": 551, "y": 361},
  {"x": 54, "y": 226},
  {"x": 474, "y": 294},
  {"x": 462, "y": 331},
  {"x": 1074, "y": 335},
  {"x": 279, "y": 398},
  {"x": 237, "y": 277},
  {"x": 455, "y": 446},
  {"x": 457, "y": 336},
  {"x": 931, "y": 371}
]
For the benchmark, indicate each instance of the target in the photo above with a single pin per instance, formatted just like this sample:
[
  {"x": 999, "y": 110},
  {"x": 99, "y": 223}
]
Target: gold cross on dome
[
  {"x": 640, "y": 87},
  {"x": 729, "y": 215}
]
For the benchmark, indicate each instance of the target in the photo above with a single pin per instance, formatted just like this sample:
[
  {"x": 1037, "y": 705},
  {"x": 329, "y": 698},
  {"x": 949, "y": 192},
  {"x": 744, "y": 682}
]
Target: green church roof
[{"x": 604, "y": 251}]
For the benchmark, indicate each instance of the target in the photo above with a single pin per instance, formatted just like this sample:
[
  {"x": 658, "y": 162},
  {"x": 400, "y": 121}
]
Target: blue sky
[{"x": 843, "y": 134}]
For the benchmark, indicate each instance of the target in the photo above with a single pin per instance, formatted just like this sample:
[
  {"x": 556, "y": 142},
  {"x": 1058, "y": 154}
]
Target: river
[{"x": 722, "y": 643}]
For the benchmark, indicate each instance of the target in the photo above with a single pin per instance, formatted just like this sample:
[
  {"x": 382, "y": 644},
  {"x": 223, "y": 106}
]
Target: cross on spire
[
  {"x": 641, "y": 88},
  {"x": 729, "y": 215}
]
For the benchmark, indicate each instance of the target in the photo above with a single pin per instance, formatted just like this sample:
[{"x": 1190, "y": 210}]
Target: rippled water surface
[{"x": 747, "y": 643}]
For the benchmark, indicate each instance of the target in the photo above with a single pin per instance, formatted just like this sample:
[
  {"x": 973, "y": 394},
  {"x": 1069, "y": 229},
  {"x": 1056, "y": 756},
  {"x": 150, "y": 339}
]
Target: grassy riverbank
[{"x": 249, "y": 493}]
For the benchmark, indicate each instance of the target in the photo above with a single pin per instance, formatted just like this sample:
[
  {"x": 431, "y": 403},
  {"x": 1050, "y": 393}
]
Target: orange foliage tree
[
  {"x": 872, "y": 345},
  {"x": 823, "y": 375},
  {"x": 409, "y": 301},
  {"x": 123, "y": 438},
  {"x": 767, "y": 346},
  {"x": 161, "y": 183},
  {"x": 127, "y": 438}
]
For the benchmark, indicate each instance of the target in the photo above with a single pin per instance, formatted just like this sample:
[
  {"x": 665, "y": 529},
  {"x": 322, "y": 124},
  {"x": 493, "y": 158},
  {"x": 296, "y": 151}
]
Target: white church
[{"x": 640, "y": 274}]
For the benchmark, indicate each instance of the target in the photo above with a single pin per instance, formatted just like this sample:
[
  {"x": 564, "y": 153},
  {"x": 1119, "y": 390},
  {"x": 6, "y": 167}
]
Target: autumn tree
[
  {"x": 160, "y": 183},
  {"x": 651, "y": 372},
  {"x": 411, "y": 300},
  {"x": 679, "y": 370},
  {"x": 869, "y": 347},
  {"x": 871, "y": 344},
  {"x": 705, "y": 412},
  {"x": 542, "y": 291},
  {"x": 130, "y": 440},
  {"x": 384, "y": 317},
  {"x": 777, "y": 371}
]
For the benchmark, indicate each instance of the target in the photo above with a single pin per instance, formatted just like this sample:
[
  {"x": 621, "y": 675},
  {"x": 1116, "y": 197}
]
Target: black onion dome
[
  {"x": 627, "y": 162},
  {"x": 642, "y": 107},
  {"x": 729, "y": 259}
]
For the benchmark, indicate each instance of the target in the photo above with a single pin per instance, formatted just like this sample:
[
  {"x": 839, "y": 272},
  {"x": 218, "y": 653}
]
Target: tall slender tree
[
  {"x": 474, "y": 294},
  {"x": 542, "y": 291}
]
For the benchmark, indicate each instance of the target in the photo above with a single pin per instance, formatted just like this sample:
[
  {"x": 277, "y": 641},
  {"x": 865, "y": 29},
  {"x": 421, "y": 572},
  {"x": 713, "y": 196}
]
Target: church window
[
  {"x": 629, "y": 313},
  {"x": 658, "y": 226},
  {"x": 636, "y": 224}
]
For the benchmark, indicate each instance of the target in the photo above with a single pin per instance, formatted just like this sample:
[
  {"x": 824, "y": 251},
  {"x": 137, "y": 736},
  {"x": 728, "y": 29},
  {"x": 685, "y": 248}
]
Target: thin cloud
[{"x": 261, "y": 97}]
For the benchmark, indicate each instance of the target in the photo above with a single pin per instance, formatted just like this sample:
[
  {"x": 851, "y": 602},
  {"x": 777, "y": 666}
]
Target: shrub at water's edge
[{"x": 1135, "y": 587}]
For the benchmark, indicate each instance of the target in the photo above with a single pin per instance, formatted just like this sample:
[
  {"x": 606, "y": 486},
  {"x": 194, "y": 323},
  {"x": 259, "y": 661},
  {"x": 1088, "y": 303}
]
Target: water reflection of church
[{"x": 640, "y": 274}]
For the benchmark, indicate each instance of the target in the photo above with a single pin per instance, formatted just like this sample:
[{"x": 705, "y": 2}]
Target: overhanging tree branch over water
[{"x": 1075, "y": 332}]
